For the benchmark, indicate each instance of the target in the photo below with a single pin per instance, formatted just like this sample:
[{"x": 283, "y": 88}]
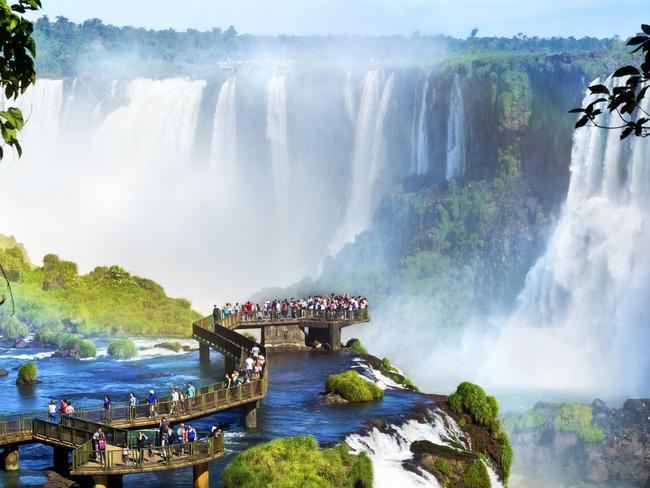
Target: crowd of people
[
  {"x": 251, "y": 370},
  {"x": 166, "y": 443},
  {"x": 330, "y": 306}
]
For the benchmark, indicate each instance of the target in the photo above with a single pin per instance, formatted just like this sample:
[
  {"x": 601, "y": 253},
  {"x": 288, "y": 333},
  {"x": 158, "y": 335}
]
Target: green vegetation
[
  {"x": 355, "y": 345},
  {"x": 476, "y": 476},
  {"x": 87, "y": 349},
  {"x": 172, "y": 346},
  {"x": 17, "y": 52},
  {"x": 443, "y": 466},
  {"x": 298, "y": 462},
  {"x": 28, "y": 373},
  {"x": 388, "y": 365},
  {"x": 107, "y": 301},
  {"x": 529, "y": 420},
  {"x": 122, "y": 349},
  {"x": 578, "y": 418},
  {"x": 472, "y": 399},
  {"x": 484, "y": 410},
  {"x": 351, "y": 386}
]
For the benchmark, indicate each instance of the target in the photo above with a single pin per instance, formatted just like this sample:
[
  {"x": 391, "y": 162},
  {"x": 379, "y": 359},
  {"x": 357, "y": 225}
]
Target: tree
[
  {"x": 17, "y": 52},
  {"x": 625, "y": 99}
]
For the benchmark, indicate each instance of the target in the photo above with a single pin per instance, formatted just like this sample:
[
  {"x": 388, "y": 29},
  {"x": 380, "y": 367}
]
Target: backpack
[{"x": 102, "y": 444}]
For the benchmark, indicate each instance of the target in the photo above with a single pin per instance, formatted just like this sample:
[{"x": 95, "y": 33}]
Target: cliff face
[{"x": 604, "y": 444}]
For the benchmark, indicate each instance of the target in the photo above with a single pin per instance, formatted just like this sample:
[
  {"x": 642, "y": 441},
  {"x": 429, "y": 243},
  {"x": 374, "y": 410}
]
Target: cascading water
[
  {"x": 419, "y": 141},
  {"x": 369, "y": 154},
  {"x": 276, "y": 133},
  {"x": 42, "y": 123},
  {"x": 223, "y": 152},
  {"x": 582, "y": 321},
  {"x": 349, "y": 98},
  {"x": 455, "y": 166}
]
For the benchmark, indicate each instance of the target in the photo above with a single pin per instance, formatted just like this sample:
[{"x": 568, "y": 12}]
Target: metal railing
[
  {"x": 116, "y": 457},
  {"x": 16, "y": 427}
]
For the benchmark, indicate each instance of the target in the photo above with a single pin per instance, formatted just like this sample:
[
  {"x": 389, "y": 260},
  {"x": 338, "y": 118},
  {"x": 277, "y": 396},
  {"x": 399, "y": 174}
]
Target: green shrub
[
  {"x": 122, "y": 349},
  {"x": 529, "y": 420},
  {"x": 86, "y": 349},
  {"x": 298, "y": 462},
  {"x": 172, "y": 346},
  {"x": 351, "y": 386},
  {"x": 505, "y": 452},
  {"x": 386, "y": 363},
  {"x": 578, "y": 418},
  {"x": 476, "y": 476},
  {"x": 355, "y": 345},
  {"x": 443, "y": 466},
  {"x": 28, "y": 372},
  {"x": 472, "y": 399}
]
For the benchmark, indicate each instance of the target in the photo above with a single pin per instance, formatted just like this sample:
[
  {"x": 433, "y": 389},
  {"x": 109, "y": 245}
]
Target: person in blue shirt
[{"x": 153, "y": 399}]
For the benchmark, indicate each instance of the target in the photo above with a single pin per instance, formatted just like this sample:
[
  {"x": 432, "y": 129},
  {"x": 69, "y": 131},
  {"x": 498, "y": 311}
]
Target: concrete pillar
[
  {"x": 201, "y": 476},
  {"x": 61, "y": 460},
  {"x": 250, "y": 420},
  {"x": 263, "y": 336},
  {"x": 204, "y": 353},
  {"x": 10, "y": 458},
  {"x": 335, "y": 336},
  {"x": 107, "y": 481}
]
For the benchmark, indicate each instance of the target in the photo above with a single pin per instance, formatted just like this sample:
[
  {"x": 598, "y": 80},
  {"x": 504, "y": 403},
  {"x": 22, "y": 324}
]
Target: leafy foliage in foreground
[
  {"x": 351, "y": 386},
  {"x": 17, "y": 52},
  {"x": 106, "y": 301},
  {"x": 298, "y": 462}
]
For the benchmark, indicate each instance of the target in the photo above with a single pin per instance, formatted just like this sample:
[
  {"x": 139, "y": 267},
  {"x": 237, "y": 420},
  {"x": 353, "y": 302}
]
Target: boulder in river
[
  {"x": 3, "y": 372},
  {"x": 21, "y": 344}
]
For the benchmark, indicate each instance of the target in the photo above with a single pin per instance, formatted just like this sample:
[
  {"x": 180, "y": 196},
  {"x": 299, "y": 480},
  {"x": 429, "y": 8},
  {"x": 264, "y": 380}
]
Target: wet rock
[
  {"x": 21, "y": 381},
  {"x": 334, "y": 399},
  {"x": 155, "y": 375},
  {"x": 638, "y": 406},
  {"x": 55, "y": 480},
  {"x": 3, "y": 372},
  {"x": 597, "y": 473},
  {"x": 599, "y": 407},
  {"x": 21, "y": 344}
]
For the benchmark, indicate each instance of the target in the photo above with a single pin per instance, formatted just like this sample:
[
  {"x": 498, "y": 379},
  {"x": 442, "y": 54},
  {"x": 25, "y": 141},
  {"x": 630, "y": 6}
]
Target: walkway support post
[
  {"x": 204, "y": 353},
  {"x": 61, "y": 460},
  {"x": 335, "y": 336},
  {"x": 250, "y": 420},
  {"x": 10, "y": 457},
  {"x": 201, "y": 476},
  {"x": 107, "y": 481}
]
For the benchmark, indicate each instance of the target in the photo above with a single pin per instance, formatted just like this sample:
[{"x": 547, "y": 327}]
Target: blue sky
[{"x": 544, "y": 18}]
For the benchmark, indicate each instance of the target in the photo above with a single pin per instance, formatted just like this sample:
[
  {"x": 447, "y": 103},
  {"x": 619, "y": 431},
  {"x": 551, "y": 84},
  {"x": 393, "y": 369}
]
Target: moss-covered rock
[
  {"x": 351, "y": 386},
  {"x": 172, "y": 346},
  {"x": 298, "y": 462},
  {"x": 472, "y": 399},
  {"x": 443, "y": 466},
  {"x": 27, "y": 374},
  {"x": 355, "y": 345},
  {"x": 86, "y": 349},
  {"x": 476, "y": 476},
  {"x": 122, "y": 349},
  {"x": 578, "y": 418}
]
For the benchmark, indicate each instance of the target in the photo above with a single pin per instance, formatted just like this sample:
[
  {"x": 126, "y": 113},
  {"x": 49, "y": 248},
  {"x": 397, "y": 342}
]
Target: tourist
[
  {"x": 69, "y": 410},
  {"x": 63, "y": 407},
  {"x": 228, "y": 381},
  {"x": 191, "y": 392},
  {"x": 153, "y": 400},
  {"x": 164, "y": 443},
  {"x": 249, "y": 367},
  {"x": 191, "y": 437},
  {"x": 51, "y": 411},
  {"x": 215, "y": 431},
  {"x": 125, "y": 455},
  {"x": 107, "y": 409},
  {"x": 175, "y": 399},
  {"x": 255, "y": 351},
  {"x": 216, "y": 315},
  {"x": 182, "y": 401},
  {"x": 96, "y": 436},
  {"x": 140, "y": 442},
  {"x": 101, "y": 446},
  {"x": 181, "y": 436},
  {"x": 133, "y": 402}
]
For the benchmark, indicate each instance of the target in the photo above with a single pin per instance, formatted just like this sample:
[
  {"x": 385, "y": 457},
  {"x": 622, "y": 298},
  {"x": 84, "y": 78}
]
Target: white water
[
  {"x": 582, "y": 320},
  {"x": 389, "y": 450},
  {"x": 455, "y": 133},
  {"x": 276, "y": 133},
  {"x": 420, "y": 142},
  {"x": 369, "y": 158},
  {"x": 223, "y": 152},
  {"x": 375, "y": 376}
]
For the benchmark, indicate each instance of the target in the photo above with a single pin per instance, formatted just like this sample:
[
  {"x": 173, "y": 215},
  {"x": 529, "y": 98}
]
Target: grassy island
[
  {"x": 27, "y": 374},
  {"x": 122, "y": 349},
  {"x": 298, "y": 462},
  {"x": 351, "y": 386}
]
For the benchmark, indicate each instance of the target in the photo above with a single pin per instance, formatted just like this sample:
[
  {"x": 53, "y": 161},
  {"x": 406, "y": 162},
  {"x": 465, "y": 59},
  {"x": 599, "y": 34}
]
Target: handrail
[{"x": 112, "y": 458}]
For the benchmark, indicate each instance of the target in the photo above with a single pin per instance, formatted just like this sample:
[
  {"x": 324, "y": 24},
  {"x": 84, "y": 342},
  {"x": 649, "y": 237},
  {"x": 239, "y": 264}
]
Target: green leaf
[
  {"x": 636, "y": 40},
  {"x": 645, "y": 28},
  {"x": 576, "y": 110},
  {"x": 626, "y": 71},
  {"x": 582, "y": 121},
  {"x": 599, "y": 89}
]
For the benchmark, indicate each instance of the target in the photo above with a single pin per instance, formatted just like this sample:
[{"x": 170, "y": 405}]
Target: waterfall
[
  {"x": 41, "y": 106},
  {"x": 368, "y": 161},
  {"x": 582, "y": 320},
  {"x": 455, "y": 133},
  {"x": 276, "y": 134},
  {"x": 349, "y": 99},
  {"x": 223, "y": 152},
  {"x": 421, "y": 148}
]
